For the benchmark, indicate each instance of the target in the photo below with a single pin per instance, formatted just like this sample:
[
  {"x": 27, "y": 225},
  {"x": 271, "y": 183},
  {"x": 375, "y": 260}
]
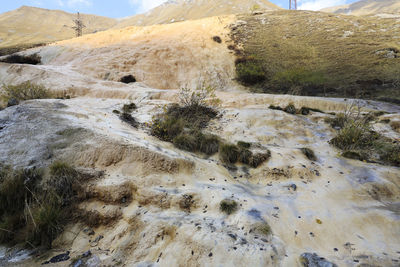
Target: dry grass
[{"x": 344, "y": 50}]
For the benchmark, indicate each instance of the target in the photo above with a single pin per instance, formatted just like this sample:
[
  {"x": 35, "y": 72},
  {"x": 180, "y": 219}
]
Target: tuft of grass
[
  {"x": 309, "y": 153},
  {"x": 263, "y": 229},
  {"x": 245, "y": 156},
  {"x": 228, "y": 206},
  {"x": 22, "y": 59},
  {"x": 128, "y": 108},
  {"x": 24, "y": 91},
  {"x": 229, "y": 153},
  {"x": 208, "y": 144},
  {"x": 275, "y": 107},
  {"x": 35, "y": 205},
  {"x": 186, "y": 141},
  {"x": 116, "y": 112},
  {"x": 167, "y": 127}
]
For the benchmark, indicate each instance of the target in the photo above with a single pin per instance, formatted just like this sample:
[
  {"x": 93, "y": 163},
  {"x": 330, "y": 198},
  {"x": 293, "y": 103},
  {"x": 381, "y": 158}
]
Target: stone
[{"x": 313, "y": 260}]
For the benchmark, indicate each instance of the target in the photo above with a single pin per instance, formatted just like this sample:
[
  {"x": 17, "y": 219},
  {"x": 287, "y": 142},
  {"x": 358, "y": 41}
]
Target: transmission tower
[
  {"x": 293, "y": 4},
  {"x": 78, "y": 25}
]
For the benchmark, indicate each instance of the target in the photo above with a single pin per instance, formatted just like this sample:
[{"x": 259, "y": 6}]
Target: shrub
[
  {"x": 32, "y": 205},
  {"x": 209, "y": 144},
  {"x": 228, "y": 206},
  {"x": 250, "y": 72},
  {"x": 217, "y": 39},
  {"x": 202, "y": 96},
  {"x": 128, "y": 108},
  {"x": 24, "y": 91},
  {"x": 291, "y": 109},
  {"x": 354, "y": 155},
  {"x": 126, "y": 117},
  {"x": 245, "y": 156},
  {"x": 167, "y": 127},
  {"x": 229, "y": 153},
  {"x": 116, "y": 112},
  {"x": 22, "y": 59},
  {"x": 128, "y": 79},
  {"x": 309, "y": 153}
]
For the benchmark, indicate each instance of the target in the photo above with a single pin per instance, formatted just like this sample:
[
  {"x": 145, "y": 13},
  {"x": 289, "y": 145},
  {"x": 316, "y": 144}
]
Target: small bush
[
  {"x": 217, "y": 39},
  {"x": 63, "y": 180},
  {"x": 259, "y": 158},
  {"x": 291, "y": 109},
  {"x": 128, "y": 79},
  {"x": 354, "y": 136},
  {"x": 116, "y": 112},
  {"x": 186, "y": 142},
  {"x": 263, "y": 229},
  {"x": 128, "y": 108},
  {"x": 309, "y": 153},
  {"x": 229, "y": 153},
  {"x": 354, "y": 155},
  {"x": 126, "y": 117},
  {"x": 24, "y": 91},
  {"x": 228, "y": 206},
  {"x": 250, "y": 72},
  {"x": 167, "y": 127},
  {"x": 21, "y": 59},
  {"x": 208, "y": 144}
]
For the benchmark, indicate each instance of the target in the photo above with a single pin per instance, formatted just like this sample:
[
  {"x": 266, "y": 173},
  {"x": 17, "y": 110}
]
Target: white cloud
[
  {"x": 74, "y": 3},
  {"x": 145, "y": 5},
  {"x": 319, "y": 4}
]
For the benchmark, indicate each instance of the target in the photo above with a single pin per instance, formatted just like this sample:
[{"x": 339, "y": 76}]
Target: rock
[
  {"x": 88, "y": 231},
  {"x": 12, "y": 102},
  {"x": 313, "y": 260},
  {"x": 58, "y": 258}
]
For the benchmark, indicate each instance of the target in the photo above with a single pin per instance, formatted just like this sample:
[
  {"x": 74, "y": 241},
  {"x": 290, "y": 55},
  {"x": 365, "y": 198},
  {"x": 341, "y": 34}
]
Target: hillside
[
  {"x": 31, "y": 25},
  {"x": 116, "y": 165},
  {"x": 367, "y": 7},
  {"x": 180, "y": 10}
]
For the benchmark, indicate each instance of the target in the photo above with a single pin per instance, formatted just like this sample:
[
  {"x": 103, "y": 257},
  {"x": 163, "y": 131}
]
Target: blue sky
[{"x": 124, "y": 8}]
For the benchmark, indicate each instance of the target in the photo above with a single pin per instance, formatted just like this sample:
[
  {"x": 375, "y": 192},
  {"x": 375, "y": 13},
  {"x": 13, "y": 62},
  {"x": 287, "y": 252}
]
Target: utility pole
[
  {"x": 293, "y": 4},
  {"x": 78, "y": 25}
]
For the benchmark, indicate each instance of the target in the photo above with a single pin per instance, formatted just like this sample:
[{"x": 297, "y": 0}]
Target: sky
[{"x": 125, "y": 8}]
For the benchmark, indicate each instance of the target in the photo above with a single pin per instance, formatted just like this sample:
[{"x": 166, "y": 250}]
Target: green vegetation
[
  {"x": 228, "y": 206},
  {"x": 182, "y": 124},
  {"x": 263, "y": 229},
  {"x": 230, "y": 154},
  {"x": 21, "y": 59},
  {"x": 128, "y": 118},
  {"x": 249, "y": 72},
  {"x": 309, "y": 54},
  {"x": 24, "y": 91},
  {"x": 359, "y": 141},
  {"x": 33, "y": 206}
]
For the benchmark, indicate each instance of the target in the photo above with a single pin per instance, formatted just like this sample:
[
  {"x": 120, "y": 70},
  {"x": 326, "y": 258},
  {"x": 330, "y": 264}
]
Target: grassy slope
[
  {"x": 343, "y": 48},
  {"x": 366, "y": 7}
]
